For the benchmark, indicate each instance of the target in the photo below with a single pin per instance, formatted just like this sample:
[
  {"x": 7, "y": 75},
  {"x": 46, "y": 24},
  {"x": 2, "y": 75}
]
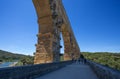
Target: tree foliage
[
  {"x": 27, "y": 60},
  {"x": 105, "y": 58}
]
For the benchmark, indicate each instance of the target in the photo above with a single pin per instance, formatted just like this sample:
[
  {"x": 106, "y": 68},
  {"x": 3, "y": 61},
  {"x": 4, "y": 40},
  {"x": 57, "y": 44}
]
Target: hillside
[
  {"x": 105, "y": 58},
  {"x": 8, "y": 56}
]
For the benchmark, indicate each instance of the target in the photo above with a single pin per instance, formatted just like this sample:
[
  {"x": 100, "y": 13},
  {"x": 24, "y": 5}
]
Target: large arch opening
[{"x": 62, "y": 48}]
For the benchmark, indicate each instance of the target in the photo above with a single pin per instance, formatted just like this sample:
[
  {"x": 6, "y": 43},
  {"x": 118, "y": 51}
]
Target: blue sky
[{"x": 96, "y": 25}]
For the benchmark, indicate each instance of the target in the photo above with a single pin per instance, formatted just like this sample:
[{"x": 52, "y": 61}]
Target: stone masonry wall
[
  {"x": 104, "y": 72},
  {"x": 30, "y": 72}
]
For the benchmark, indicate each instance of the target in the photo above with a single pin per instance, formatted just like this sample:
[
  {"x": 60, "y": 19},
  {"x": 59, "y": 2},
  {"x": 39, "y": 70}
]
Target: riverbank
[{"x": 13, "y": 64}]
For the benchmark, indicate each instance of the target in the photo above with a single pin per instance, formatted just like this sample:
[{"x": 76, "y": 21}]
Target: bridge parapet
[
  {"x": 104, "y": 72},
  {"x": 31, "y": 71}
]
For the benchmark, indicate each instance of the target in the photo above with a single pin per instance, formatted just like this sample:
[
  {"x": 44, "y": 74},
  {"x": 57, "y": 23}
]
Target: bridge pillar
[
  {"x": 42, "y": 48},
  {"x": 68, "y": 53},
  {"x": 48, "y": 45},
  {"x": 67, "y": 45}
]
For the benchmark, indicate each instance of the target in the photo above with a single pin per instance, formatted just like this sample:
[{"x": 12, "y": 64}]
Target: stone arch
[{"x": 52, "y": 20}]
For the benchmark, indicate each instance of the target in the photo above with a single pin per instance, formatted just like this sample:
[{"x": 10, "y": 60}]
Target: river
[{"x": 6, "y": 64}]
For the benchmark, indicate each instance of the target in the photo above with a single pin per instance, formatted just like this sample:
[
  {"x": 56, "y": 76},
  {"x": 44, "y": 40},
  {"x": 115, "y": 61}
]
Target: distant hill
[{"x": 8, "y": 56}]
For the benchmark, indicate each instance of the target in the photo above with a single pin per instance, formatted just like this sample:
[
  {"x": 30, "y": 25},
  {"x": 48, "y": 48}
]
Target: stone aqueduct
[{"x": 53, "y": 21}]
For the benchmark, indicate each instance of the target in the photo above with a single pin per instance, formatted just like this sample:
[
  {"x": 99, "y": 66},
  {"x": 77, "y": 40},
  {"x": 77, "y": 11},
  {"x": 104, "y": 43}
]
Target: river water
[{"x": 6, "y": 64}]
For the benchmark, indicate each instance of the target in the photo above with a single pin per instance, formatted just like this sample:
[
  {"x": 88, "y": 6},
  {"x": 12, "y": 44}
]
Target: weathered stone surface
[
  {"x": 53, "y": 21},
  {"x": 104, "y": 72},
  {"x": 32, "y": 71}
]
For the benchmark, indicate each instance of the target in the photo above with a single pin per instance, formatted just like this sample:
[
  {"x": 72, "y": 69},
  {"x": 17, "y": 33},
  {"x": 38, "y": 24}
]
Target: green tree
[{"x": 27, "y": 60}]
